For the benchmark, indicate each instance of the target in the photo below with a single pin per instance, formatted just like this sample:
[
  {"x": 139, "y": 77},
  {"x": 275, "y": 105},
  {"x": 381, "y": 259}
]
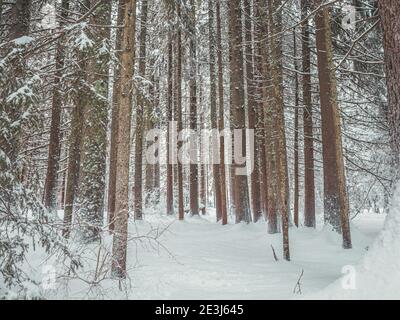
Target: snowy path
[{"x": 236, "y": 261}]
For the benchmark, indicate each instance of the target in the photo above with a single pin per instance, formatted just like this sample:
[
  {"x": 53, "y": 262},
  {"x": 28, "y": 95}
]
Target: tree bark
[
  {"x": 50, "y": 190},
  {"x": 309, "y": 185},
  {"x": 275, "y": 26},
  {"x": 114, "y": 122},
  {"x": 238, "y": 112},
  {"x": 140, "y": 106},
  {"x": 296, "y": 137},
  {"x": 123, "y": 142},
  {"x": 221, "y": 114},
  {"x": 336, "y": 211},
  {"x": 178, "y": 84},
  {"x": 194, "y": 174},
  {"x": 390, "y": 12}
]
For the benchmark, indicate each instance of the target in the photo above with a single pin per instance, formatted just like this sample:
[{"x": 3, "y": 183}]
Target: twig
[{"x": 297, "y": 287}]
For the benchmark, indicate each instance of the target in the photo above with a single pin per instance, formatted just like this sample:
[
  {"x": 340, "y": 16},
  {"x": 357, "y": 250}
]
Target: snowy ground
[{"x": 200, "y": 259}]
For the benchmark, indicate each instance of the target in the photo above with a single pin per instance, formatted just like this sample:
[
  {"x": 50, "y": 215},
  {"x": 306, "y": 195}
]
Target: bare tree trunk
[
  {"x": 80, "y": 100},
  {"x": 214, "y": 113},
  {"x": 252, "y": 109},
  {"x": 336, "y": 210},
  {"x": 296, "y": 137},
  {"x": 390, "y": 13},
  {"x": 193, "y": 179},
  {"x": 124, "y": 129},
  {"x": 309, "y": 185},
  {"x": 270, "y": 182},
  {"x": 221, "y": 115},
  {"x": 114, "y": 122},
  {"x": 275, "y": 23},
  {"x": 178, "y": 84},
  {"x": 170, "y": 168},
  {"x": 50, "y": 189},
  {"x": 141, "y": 104},
  {"x": 238, "y": 112}
]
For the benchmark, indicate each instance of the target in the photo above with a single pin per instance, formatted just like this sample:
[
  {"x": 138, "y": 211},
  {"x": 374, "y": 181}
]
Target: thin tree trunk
[
  {"x": 50, "y": 190},
  {"x": 193, "y": 175},
  {"x": 252, "y": 109},
  {"x": 141, "y": 104},
  {"x": 336, "y": 210},
  {"x": 275, "y": 23},
  {"x": 238, "y": 112},
  {"x": 296, "y": 137},
  {"x": 114, "y": 122},
  {"x": 213, "y": 108},
  {"x": 178, "y": 84},
  {"x": 170, "y": 167},
  {"x": 124, "y": 129},
  {"x": 221, "y": 115},
  {"x": 309, "y": 185}
]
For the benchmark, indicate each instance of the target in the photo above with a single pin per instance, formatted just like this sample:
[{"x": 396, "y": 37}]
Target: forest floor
[{"x": 200, "y": 259}]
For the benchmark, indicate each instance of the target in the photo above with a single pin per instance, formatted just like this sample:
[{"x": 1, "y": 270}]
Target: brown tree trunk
[
  {"x": 170, "y": 167},
  {"x": 336, "y": 210},
  {"x": 123, "y": 142},
  {"x": 141, "y": 104},
  {"x": 178, "y": 84},
  {"x": 221, "y": 122},
  {"x": 252, "y": 109},
  {"x": 390, "y": 12},
  {"x": 309, "y": 185},
  {"x": 275, "y": 24},
  {"x": 194, "y": 175},
  {"x": 238, "y": 112},
  {"x": 270, "y": 182},
  {"x": 296, "y": 137},
  {"x": 214, "y": 113},
  {"x": 80, "y": 100},
  {"x": 114, "y": 122},
  {"x": 50, "y": 190}
]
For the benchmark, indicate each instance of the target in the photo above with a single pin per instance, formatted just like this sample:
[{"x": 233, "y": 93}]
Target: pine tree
[
  {"x": 123, "y": 150},
  {"x": 336, "y": 210},
  {"x": 140, "y": 107}
]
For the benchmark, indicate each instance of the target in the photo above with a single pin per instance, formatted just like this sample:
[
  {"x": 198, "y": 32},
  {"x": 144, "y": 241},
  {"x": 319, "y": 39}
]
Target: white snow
[
  {"x": 24, "y": 40},
  {"x": 200, "y": 259},
  {"x": 377, "y": 276}
]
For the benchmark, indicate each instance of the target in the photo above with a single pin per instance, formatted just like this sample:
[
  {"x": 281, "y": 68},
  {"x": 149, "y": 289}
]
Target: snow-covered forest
[{"x": 199, "y": 149}]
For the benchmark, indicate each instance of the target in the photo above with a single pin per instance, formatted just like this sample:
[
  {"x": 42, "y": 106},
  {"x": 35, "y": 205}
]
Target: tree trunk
[
  {"x": 123, "y": 142},
  {"x": 336, "y": 209},
  {"x": 114, "y": 122},
  {"x": 221, "y": 115},
  {"x": 252, "y": 110},
  {"x": 194, "y": 175},
  {"x": 50, "y": 190},
  {"x": 140, "y": 106},
  {"x": 170, "y": 167},
  {"x": 178, "y": 84},
  {"x": 296, "y": 137},
  {"x": 389, "y": 13},
  {"x": 309, "y": 188},
  {"x": 275, "y": 23},
  {"x": 238, "y": 112},
  {"x": 213, "y": 108},
  {"x": 92, "y": 173}
]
